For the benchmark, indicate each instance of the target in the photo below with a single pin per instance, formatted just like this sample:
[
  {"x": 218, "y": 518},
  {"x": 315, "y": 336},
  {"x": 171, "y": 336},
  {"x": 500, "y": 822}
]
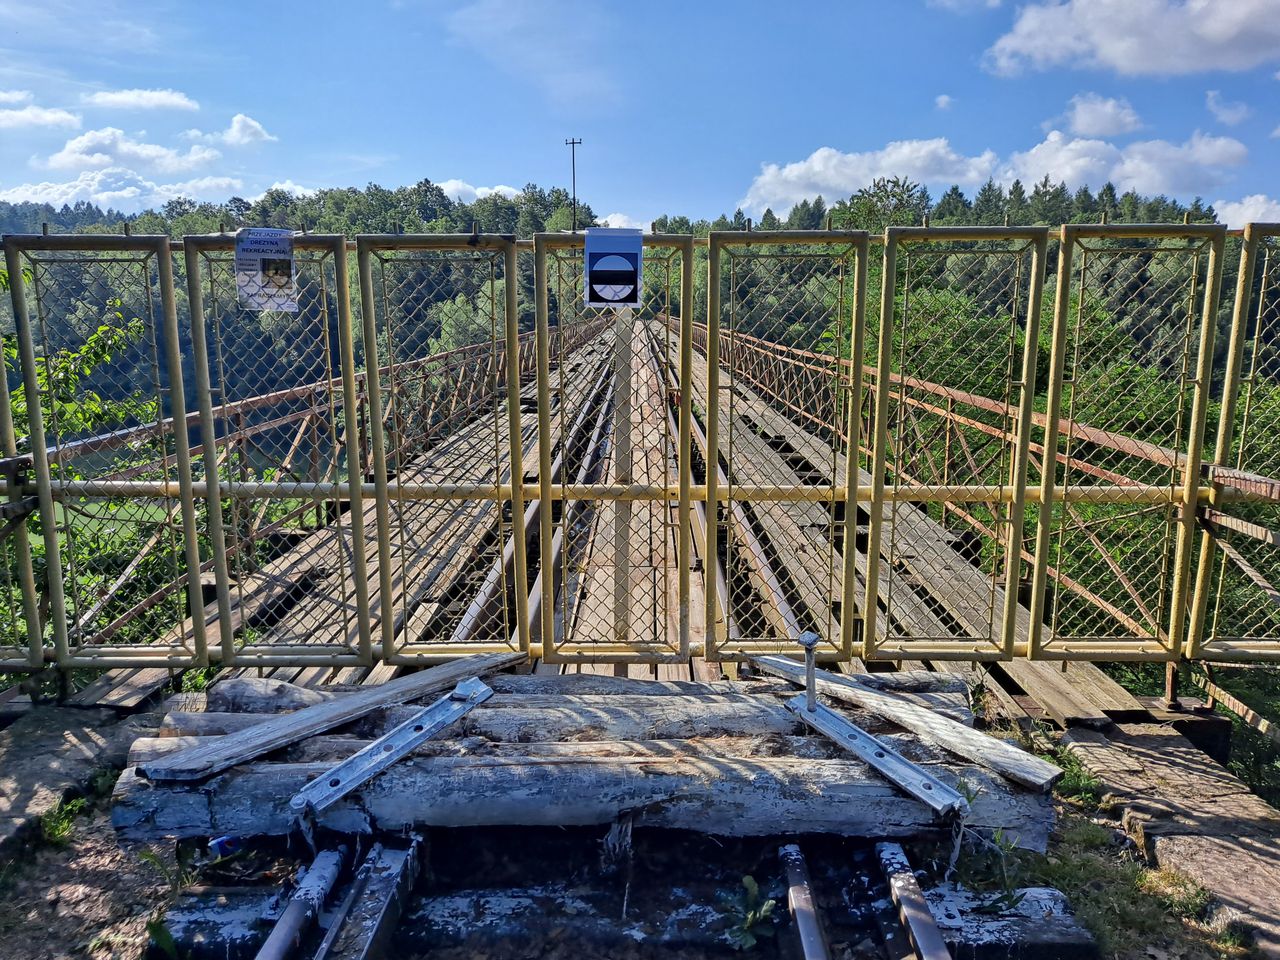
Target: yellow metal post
[
  {"x": 684, "y": 465},
  {"x": 857, "y": 344},
  {"x": 512, "y": 356},
  {"x": 1179, "y": 599},
  {"x": 546, "y": 530},
  {"x": 884, "y": 367},
  {"x": 204, "y": 403},
  {"x": 717, "y": 625},
  {"x": 21, "y": 542},
  {"x": 373, "y": 387},
  {"x": 1022, "y": 442},
  {"x": 355, "y": 476},
  {"x": 1053, "y": 411}
]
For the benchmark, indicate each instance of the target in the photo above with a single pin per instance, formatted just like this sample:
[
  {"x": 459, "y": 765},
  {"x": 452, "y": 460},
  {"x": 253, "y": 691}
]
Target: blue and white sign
[{"x": 614, "y": 267}]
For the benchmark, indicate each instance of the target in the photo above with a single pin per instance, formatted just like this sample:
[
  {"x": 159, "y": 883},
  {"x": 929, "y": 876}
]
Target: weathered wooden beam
[
  {"x": 1009, "y": 761},
  {"x": 284, "y": 729},
  {"x": 326, "y": 749},
  {"x": 728, "y": 796},
  {"x": 523, "y": 719}
]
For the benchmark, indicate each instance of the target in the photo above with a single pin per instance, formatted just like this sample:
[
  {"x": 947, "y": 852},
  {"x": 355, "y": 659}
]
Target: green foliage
[
  {"x": 58, "y": 826},
  {"x": 197, "y": 680},
  {"x": 162, "y": 938},
  {"x": 751, "y": 915},
  {"x": 62, "y": 378}
]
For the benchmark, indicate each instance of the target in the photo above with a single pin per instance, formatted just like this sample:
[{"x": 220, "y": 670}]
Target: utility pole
[{"x": 572, "y": 143}]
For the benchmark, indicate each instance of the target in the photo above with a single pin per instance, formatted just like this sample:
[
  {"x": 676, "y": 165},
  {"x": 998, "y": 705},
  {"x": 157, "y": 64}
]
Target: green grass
[
  {"x": 1128, "y": 907},
  {"x": 58, "y": 826}
]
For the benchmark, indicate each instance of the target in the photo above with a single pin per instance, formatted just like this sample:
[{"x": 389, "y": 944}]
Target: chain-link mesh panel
[
  {"x": 279, "y": 416},
  {"x": 22, "y": 641},
  {"x": 957, "y": 349},
  {"x": 613, "y": 422},
  {"x": 785, "y": 328},
  {"x": 102, "y": 348},
  {"x": 1243, "y": 600},
  {"x": 445, "y": 580},
  {"x": 1130, "y": 341}
]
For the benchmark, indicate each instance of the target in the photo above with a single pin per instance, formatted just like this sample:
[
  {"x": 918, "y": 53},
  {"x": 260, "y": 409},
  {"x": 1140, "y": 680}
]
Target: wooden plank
[
  {"x": 124, "y": 689},
  {"x": 1009, "y": 761},
  {"x": 289, "y": 728}
]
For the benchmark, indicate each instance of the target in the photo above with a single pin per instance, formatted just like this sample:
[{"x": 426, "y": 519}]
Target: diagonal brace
[{"x": 359, "y": 768}]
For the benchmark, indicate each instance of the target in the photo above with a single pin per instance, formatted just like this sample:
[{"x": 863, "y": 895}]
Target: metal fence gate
[
  {"x": 784, "y": 310},
  {"x": 459, "y": 456},
  {"x": 614, "y": 474}
]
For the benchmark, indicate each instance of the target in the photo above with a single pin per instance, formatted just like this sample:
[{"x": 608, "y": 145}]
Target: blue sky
[{"x": 683, "y": 107}]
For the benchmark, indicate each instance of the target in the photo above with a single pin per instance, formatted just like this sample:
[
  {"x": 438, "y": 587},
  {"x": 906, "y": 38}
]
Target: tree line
[{"x": 425, "y": 208}]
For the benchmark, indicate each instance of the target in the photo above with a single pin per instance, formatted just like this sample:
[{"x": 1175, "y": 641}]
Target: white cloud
[
  {"x": 141, "y": 100},
  {"x": 1255, "y": 208},
  {"x": 1066, "y": 158},
  {"x": 242, "y": 132},
  {"x": 112, "y": 147},
  {"x": 559, "y": 48},
  {"x": 1224, "y": 111},
  {"x": 288, "y": 186},
  {"x": 464, "y": 192},
  {"x": 1093, "y": 115},
  {"x": 15, "y": 96},
  {"x": 943, "y": 101},
  {"x": 1158, "y": 166},
  {"x": 31, "y": 116},
  {"x": 1148, "y": 166},
  {"x": 622, "y": 220},
  {"x": 121, "y": 188},
  {"x": 833, "y": 173},
  {"x": 1137, "y": 37}
]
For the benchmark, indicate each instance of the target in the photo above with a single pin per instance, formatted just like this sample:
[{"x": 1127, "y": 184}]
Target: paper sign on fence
[{"x": 265, "y": 278}]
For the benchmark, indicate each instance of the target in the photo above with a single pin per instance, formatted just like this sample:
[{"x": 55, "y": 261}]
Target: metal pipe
[
  {"x": 1195, "y": 445},
  {"x": 1053, "y": 406},
  {"x": 304, "y": 906},
  {"x": 373, "y": 389},
  {"x": 879, "y": 440}
]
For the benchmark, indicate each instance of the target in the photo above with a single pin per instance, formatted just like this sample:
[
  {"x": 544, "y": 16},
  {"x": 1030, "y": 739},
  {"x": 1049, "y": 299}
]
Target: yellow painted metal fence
[{"x": 940, "y": 443}]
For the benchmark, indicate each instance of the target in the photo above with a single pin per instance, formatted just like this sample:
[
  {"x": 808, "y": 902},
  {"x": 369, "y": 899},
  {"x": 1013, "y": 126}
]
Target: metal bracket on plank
[
  {"x": 393, "y": 745},
  {"x": 896, "y": 768}
]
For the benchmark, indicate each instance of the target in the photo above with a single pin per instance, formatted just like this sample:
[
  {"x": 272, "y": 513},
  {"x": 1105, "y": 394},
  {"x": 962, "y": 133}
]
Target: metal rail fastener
[{"x": 337, "y": 782}]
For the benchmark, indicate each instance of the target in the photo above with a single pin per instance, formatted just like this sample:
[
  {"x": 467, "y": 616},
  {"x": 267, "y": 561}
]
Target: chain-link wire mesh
[
  {"x": 102, "y": 365},
  {"x": 1243, "y": 600},
  {"x": 783, "y": 399},
  {"x": 445, "y": 578},
  {"x": 279, "y": 416},
  {"x": 1130, "y": 339},
  {"x": 957, "y": 348},
  {"x": 613, "y": 422}
]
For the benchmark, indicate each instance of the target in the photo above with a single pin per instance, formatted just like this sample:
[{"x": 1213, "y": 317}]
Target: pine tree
[
  {"x": 988, "y": 204},
  {"x": 953, "y": 207},
  {"x": 1016, "y": 206}
]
